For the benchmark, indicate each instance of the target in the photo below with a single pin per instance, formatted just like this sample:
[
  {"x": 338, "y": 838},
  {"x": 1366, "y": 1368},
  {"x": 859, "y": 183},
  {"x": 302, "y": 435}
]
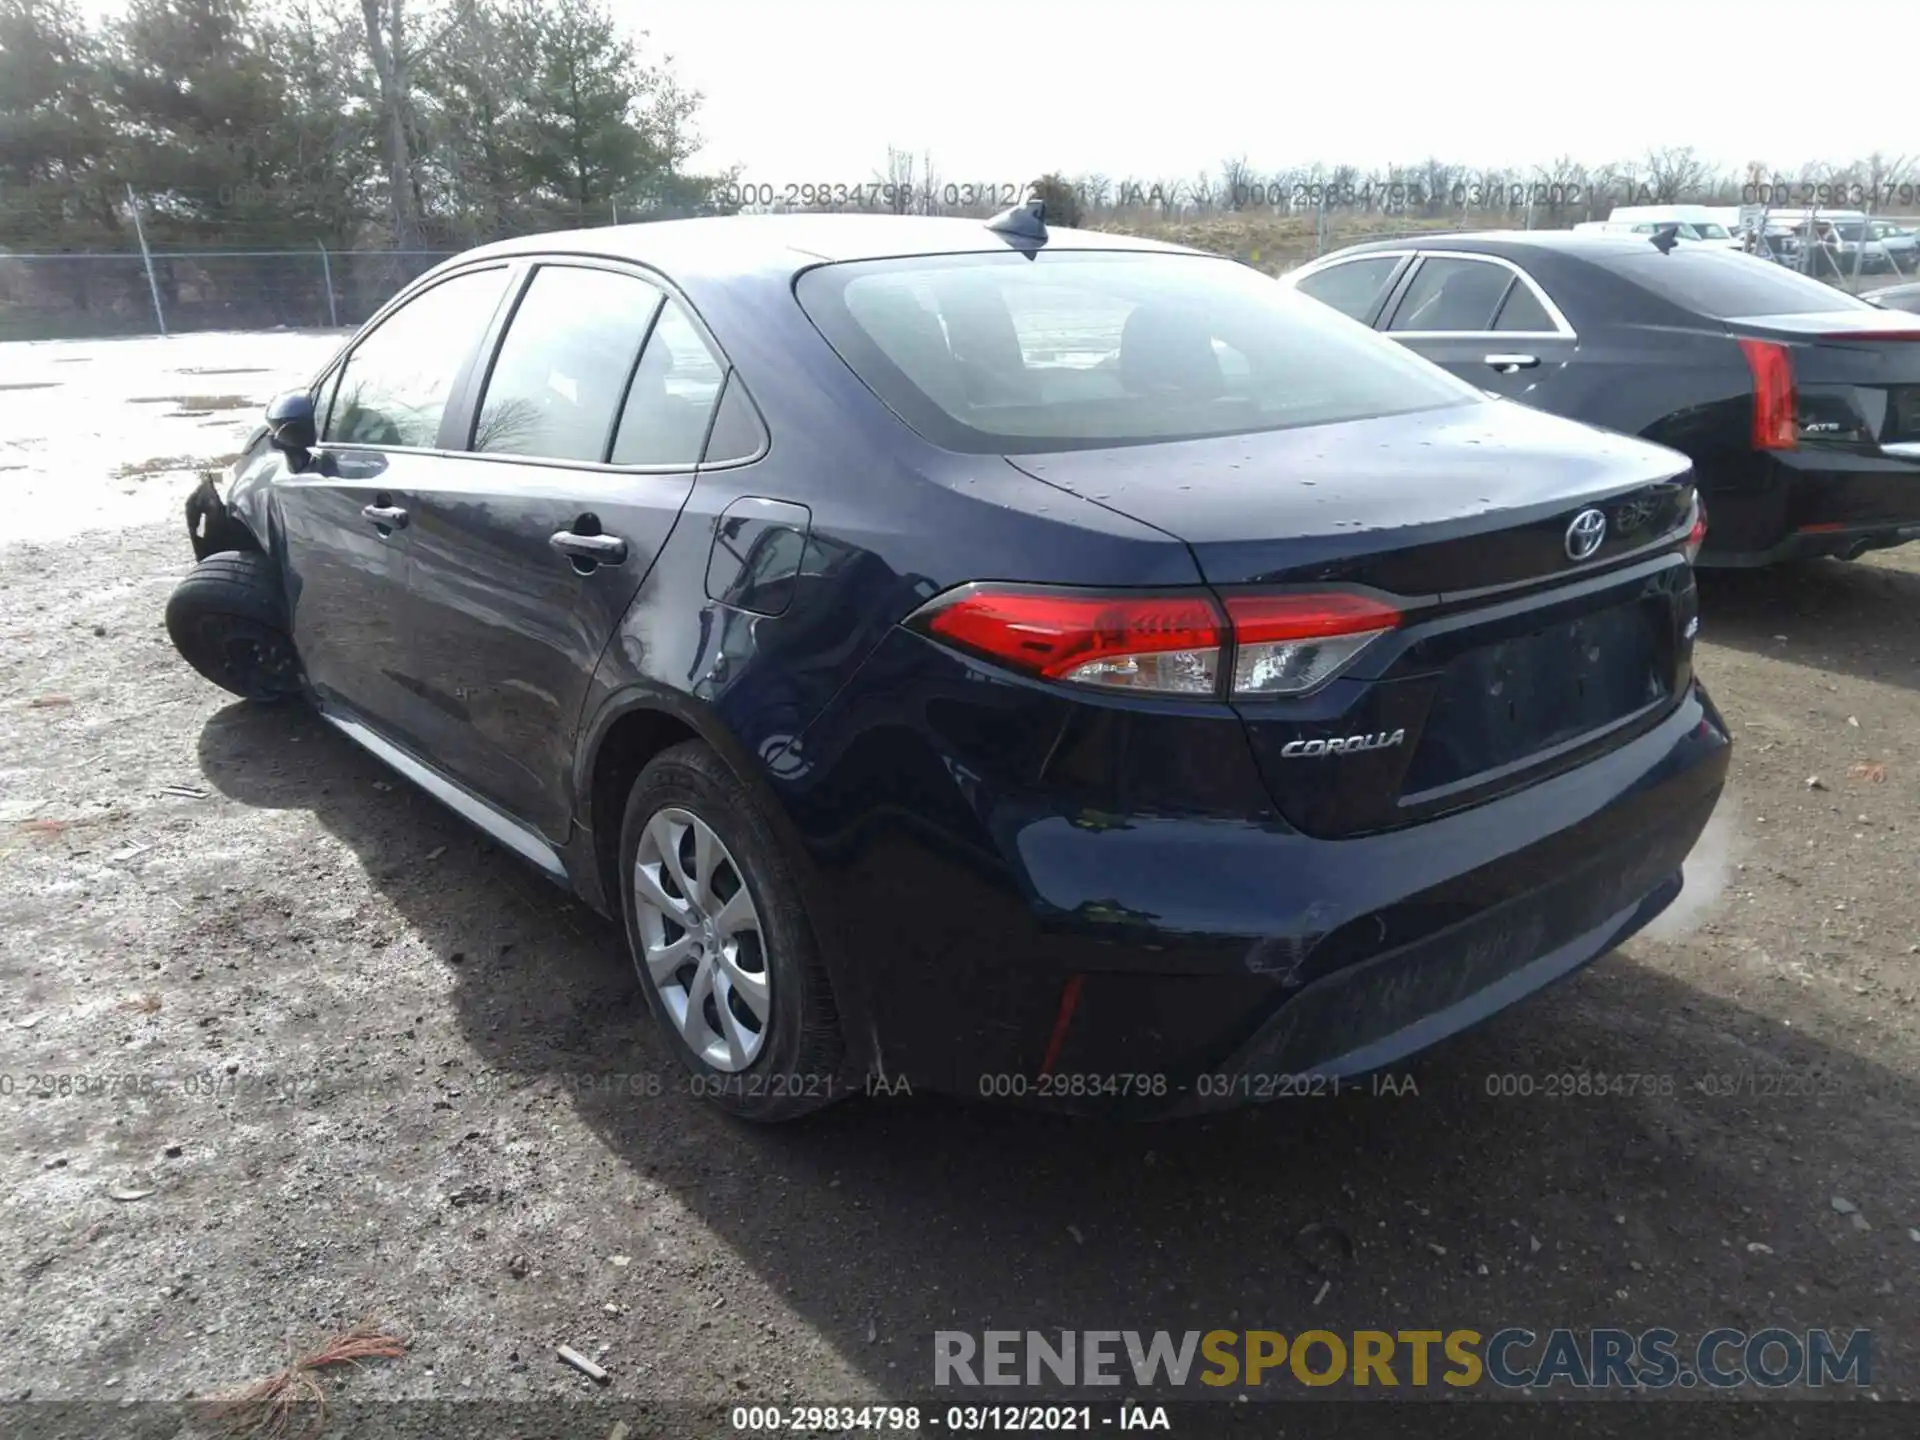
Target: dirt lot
[{"x": 339, "y": 1058}]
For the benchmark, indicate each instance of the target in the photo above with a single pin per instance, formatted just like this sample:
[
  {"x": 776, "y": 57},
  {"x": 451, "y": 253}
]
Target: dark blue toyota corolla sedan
[{"x": 1018, "y": 663}]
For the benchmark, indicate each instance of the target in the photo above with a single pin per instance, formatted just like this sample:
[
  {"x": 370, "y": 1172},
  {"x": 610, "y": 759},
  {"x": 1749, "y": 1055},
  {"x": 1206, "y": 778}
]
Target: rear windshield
[
  {"x": 1723, "y": 285},
  {"x": 1005, "y": 353}
]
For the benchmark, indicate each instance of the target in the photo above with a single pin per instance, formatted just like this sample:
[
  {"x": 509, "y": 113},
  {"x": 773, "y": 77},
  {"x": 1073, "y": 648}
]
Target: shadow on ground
[
  {"x": 1850, "y": 618},
  {"x": 882, "y": 1221}
]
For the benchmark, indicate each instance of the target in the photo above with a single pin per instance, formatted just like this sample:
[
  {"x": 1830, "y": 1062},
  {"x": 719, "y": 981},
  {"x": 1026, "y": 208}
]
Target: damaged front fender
[
  {"x": 235, "y": 521},
  {"x": 210, "y": 525}
]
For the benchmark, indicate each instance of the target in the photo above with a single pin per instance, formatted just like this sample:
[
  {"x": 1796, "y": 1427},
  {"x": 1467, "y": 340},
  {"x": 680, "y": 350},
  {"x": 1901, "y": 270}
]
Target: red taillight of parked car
[
  {"x": 1774, "y": 400},
  {"x": 1167, "y": 643},
  {"x": 1697, "y": 535}
]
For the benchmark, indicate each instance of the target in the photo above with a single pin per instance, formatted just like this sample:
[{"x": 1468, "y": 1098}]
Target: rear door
[
  {"x": 1483, "y": 318},
  {"x": 582, "y": 437},
  {"x": 345, "y": 519}
]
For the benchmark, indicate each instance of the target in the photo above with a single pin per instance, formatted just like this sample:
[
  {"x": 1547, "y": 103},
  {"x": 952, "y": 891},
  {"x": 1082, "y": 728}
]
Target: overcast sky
[{"x": 998, "y": 90}]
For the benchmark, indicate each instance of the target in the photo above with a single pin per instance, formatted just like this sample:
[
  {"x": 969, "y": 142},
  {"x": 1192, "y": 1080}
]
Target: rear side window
[
  {"x": 1353, "y": 286},
  {"x": 563, "y": 366},
  {"x": 1448, "y": 294},
  {"x": 672, "y": 397},
  {"x": 1522, "y": 310},
  {"x": 1724, "y": 285},
  {"x": 393, "y": 389},
  {"x": 737, "y": 431},
  {"x": 999, "y": 352}
]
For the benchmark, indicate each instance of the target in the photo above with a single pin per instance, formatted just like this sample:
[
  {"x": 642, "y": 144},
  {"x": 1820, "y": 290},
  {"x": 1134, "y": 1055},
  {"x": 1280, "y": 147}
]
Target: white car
[
  {"x": 1695, "y": 222},
  {"x": 1711, "y": 234}
]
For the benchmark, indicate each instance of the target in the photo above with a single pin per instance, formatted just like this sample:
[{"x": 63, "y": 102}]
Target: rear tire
[
  {"x": 228, "y": 619},
  {"x": 721, "y": 943}
]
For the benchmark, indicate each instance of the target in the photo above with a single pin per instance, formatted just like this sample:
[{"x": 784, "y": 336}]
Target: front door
[
  {"x": 346, "y": 518},
  {"x": 528, "y": 550}
]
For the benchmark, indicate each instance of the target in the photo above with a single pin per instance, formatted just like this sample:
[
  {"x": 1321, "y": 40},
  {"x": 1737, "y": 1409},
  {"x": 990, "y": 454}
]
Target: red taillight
[
  {"x": 1292, "y": 644},
  {"x": 1774, "y": 401},
  {"x": 1697, "y": 536},
  {"x": 1167, "y": 643},
  {"x": 1258, "y": 619}
]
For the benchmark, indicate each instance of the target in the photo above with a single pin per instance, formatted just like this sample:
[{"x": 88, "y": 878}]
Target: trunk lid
[
  {"x": 1512, "y": 661},
  {"x": 1830, "y": 325},
  {"x": 1438, "y": 502}
]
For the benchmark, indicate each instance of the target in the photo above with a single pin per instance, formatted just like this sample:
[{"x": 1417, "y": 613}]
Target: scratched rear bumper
[
  {"x": 1376, "y": 1013},
  {"x": 1138, "y": 965},
  {"x": 1426, "y": 960}
]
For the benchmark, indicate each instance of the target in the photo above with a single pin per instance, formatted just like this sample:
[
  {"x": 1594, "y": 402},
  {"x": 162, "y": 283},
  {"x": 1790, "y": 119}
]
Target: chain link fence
[
  {"x": 81, "y": 295},
  {"x": 92, "y": 295}
]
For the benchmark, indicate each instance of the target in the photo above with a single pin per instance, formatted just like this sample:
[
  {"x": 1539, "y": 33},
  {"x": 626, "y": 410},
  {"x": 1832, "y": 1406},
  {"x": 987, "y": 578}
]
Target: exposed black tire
[
  {"x": 228, "y": 619},
  {"x": 797, "y": 1067}
]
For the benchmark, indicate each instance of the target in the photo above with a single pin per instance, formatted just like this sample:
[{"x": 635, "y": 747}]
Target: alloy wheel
[{"x": 701, "y": 939}]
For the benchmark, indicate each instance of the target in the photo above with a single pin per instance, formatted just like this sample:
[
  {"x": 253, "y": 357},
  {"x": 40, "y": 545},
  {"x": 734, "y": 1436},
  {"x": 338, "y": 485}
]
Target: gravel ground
[{"x": 286, "y": 1046}]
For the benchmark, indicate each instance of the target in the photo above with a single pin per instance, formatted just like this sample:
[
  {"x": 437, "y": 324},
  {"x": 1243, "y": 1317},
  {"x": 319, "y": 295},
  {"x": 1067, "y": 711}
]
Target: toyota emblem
[{"x": 1584, "y": 535}]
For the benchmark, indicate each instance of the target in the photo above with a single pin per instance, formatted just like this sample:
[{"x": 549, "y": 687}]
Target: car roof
[
  {"x": 1511, "y": 244},
  {"x": 718, "y": 245}
]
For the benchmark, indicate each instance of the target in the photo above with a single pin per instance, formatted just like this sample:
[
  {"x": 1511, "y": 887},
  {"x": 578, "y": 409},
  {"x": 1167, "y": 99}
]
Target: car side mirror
[{"x": 290, "y": 427}]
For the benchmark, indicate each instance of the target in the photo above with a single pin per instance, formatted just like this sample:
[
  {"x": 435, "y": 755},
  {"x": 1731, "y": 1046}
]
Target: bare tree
[
  {"x": 1884, "y": 175},
  {"x": 1343, "y": 179},
  {"x": 393, "y": 66},
  {"x": 1566, "y": 186},
  {"x": 930, "y": 189},
  {"x": 896, "y": 181},
  {"x": 1239, "y": 185},
  {"x": 1676, "y": 172}
]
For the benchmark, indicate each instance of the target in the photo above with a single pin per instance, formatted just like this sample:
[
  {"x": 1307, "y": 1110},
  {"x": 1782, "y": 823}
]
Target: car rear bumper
[
  {"x": 1370, "y": 1016},
  {"x": 1145, "y": 964},
  {"x": 1802, "y": 505}
]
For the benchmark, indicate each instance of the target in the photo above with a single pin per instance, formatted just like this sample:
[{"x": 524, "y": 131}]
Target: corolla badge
[
  {"x": 1584, "y": 535},
  {"x": 1343, "y": 745}
]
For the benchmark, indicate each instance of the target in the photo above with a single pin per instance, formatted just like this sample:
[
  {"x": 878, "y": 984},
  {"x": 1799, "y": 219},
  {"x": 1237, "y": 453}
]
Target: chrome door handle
[
  {"x": 1507, "y": 364},
  {"x": 390, "y": 517},
  {"x": 600, "y": 549}
]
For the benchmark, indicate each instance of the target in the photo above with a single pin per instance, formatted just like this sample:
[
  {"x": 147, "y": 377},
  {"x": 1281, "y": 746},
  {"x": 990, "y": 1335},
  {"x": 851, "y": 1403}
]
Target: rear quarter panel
[{"x": 892, "y": 522}]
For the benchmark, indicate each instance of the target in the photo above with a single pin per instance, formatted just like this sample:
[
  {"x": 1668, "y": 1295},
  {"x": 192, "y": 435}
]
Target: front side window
[
  {"x": 1001, "y": 352},
  {"x": 1352, "y": 287},
  {"x": 394, "y": 387},
  {"x": 563, "y": 367}
]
